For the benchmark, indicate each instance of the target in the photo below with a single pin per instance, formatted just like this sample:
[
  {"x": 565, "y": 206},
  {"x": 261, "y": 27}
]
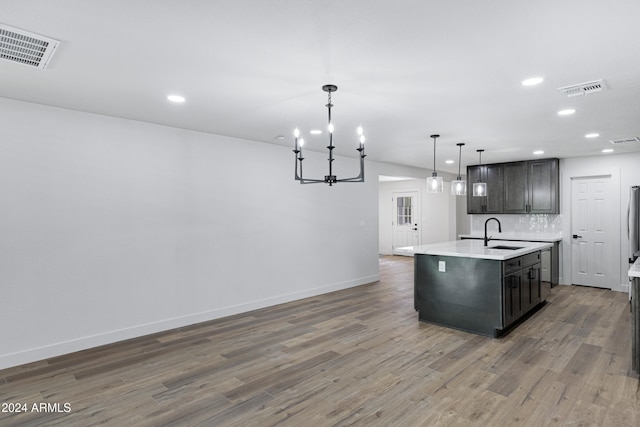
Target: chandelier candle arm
[{"x": 330, "y": 178}]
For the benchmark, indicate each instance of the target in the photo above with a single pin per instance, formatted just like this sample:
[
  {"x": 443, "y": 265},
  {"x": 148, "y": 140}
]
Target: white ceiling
[{"x": 405, "y": 69}]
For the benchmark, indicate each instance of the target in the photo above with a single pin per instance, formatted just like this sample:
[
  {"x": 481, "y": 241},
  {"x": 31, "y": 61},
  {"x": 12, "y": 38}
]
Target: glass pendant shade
[
  {"x": 458, "y": 188},
  {"x": 480, "y": 189},
  {"x": 435, "y": 184}
]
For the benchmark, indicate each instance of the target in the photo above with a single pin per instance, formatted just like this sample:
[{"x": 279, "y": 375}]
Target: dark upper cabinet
[
  {"x": 544, "y": 181},
  {"x": 516, "y": 187},
  {"x": 492, "y": 175}
]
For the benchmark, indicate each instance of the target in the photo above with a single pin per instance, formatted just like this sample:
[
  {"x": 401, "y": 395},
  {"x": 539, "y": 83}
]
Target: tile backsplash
[{"x": 526, "y": 224}]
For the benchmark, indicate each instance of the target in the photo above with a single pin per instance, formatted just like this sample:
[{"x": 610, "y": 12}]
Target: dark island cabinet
[
  {"x": 479, "y": 295},
  {"x": 522, "y": 287},
  {"x": 493, "y": 201},
  {"x": 512, "y": 289},
  {"x": 516, "y": 187}
]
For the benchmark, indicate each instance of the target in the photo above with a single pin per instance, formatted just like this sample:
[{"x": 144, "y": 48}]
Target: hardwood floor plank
[
  {"x": 274, "y": 378},
  {"x": 580, "y": 364}
]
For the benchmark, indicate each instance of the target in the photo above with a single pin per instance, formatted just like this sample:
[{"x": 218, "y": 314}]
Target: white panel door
[
  {"x": 406, "y": 219},
  {"x": 591, "y": 230}
]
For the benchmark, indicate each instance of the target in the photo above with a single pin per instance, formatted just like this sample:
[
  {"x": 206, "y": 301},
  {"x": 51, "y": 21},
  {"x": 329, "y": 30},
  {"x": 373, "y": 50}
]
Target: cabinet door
[
  {"x": 543, "y": 186},
  {"x": 530, "y": 293},
  {"x": 475, "y": 205},
  {"x": 511, "y": 298},
  {"x": 516, "y": 187},
  {"x": 494, "y": 177}
]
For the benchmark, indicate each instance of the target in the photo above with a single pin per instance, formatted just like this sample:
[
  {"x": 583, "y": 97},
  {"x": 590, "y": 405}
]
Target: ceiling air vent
[
  {"x": 25, "y": 48},
  {"x": 583, "y": 88},
  {"x": 634, "y": 139}
]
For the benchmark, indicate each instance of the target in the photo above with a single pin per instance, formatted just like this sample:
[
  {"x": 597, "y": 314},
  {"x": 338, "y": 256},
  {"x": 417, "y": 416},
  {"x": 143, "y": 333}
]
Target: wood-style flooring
[{"x": 353, "y": 357}]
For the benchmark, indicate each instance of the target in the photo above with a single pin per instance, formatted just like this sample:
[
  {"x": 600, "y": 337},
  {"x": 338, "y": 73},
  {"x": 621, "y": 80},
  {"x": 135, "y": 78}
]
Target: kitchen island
[{"x": 481, "y": 289}]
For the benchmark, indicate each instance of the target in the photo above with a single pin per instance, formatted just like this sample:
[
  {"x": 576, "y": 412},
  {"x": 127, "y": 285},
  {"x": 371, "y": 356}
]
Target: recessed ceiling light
[
  {"x": 592, "y": 135},
  {"x": 279, "y": 136},
  {"x": 608, "y": 150},
  {"x": 538, "y": 152},
  {"x": 532, "y": 81},
  {"x": 566, "y": 112},
  {"x": 315, "y": 132},
  {"x": 175, "y": 98},
  {"x": 449, "y": 162}
]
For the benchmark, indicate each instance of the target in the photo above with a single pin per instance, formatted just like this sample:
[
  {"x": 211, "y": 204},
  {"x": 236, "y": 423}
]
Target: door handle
[
  {"x": 575, "y": 236},
  {"x": 415, "y": 229}
]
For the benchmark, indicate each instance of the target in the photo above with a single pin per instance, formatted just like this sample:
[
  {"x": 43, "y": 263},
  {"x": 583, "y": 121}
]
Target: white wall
[
  {"x": 437, "y": 212},
  {"x": 112, "y": 229},
  {"x": 624, "y": 172}
]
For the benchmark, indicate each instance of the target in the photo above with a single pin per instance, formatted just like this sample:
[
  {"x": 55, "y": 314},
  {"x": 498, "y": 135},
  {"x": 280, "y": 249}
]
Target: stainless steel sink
[{"x": 508, "y": 248}]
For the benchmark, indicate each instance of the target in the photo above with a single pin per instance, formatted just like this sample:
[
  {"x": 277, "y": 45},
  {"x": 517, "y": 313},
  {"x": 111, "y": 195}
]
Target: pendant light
[
  {"x": 480, "y": 188},
  {"x": 434, "y": 182},
  {"x": 459, "y": 187}
]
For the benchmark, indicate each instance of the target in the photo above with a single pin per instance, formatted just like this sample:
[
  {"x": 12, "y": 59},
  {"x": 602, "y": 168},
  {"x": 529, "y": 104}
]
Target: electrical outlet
[{"x": 442, "y": 266}]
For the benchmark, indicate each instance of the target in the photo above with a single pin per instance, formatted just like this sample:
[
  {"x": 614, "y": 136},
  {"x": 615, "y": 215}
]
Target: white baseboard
[{"x": 83, "y": 343}]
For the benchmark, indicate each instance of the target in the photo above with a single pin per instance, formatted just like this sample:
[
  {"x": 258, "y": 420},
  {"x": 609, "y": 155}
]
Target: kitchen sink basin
[{"x": 508, "y": 248}]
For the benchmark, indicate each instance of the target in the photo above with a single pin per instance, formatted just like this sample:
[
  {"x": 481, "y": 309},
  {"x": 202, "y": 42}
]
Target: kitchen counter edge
[
  {"x": 476, "y": 249},
  {"x": 519, "y": 238}
]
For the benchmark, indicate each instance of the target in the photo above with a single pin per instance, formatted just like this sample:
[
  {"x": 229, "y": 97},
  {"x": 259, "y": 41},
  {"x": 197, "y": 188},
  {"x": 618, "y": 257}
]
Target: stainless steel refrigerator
[
  {"x": 633, "y": 225},
  {"x": 633, "y": 232}
]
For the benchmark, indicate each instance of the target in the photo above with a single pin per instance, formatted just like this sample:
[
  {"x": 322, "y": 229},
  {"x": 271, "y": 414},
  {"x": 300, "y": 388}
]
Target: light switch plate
[{"x": 442, "y": 266}]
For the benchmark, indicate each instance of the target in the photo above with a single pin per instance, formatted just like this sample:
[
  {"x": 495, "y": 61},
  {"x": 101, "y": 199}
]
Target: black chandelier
[{"x": 331, "y": 178}]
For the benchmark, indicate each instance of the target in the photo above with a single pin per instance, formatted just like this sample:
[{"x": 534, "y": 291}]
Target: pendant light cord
[
  {"x": 434, "y": 155},
  {"x": 435, "y": 136},
  {"x": 480, "y": 154},
  {"x": 460, "y": 160}
]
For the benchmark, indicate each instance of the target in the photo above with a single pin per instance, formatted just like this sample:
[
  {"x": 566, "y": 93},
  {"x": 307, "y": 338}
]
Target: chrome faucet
[{"x": 486, "y": 239}]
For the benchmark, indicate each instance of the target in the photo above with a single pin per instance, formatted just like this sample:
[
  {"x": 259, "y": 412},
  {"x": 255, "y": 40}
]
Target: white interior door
[
  {"x": 591, "y": 230},
  {"x": 406, "y": 222}
]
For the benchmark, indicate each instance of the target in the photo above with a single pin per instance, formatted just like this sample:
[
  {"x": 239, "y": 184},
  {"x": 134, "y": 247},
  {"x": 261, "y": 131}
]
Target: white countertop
[
  {"x": 634, "y": 271},
  {"x": 476, "y": 249},
  {"x": 529, "y": 237}
]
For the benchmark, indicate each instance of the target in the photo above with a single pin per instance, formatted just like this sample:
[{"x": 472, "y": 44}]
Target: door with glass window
[{"x": 406, "y": 217}]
